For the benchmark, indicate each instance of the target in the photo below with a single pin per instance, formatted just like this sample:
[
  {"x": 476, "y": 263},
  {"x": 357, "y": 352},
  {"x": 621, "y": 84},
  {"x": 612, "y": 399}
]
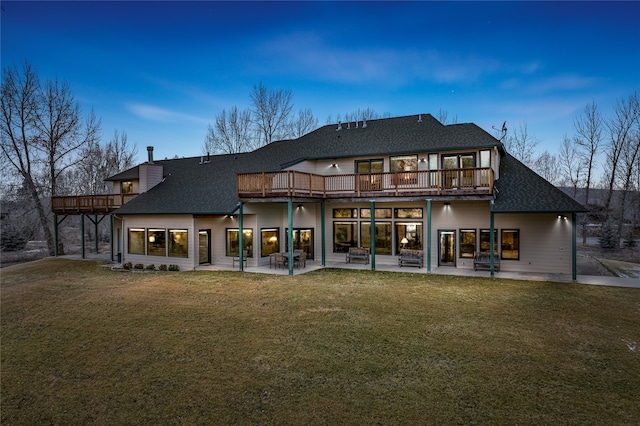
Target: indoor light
[
  {"x": 273, "y": 239},
  {"x": 404, "y": 241},
  {"x": 152, "y": 239}
]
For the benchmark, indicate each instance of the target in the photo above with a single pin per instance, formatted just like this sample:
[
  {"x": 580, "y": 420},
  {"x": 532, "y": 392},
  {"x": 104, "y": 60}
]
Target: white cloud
[
  {"x": 309, "y": 55},
  {"x": 153, "y": 113}
]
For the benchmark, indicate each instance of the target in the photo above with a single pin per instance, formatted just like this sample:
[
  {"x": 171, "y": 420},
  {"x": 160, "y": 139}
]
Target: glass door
[
  {"x": 447, "y": 248},
  {"x": 204, "y": 246},
  {"x": 302, "y": 240}
]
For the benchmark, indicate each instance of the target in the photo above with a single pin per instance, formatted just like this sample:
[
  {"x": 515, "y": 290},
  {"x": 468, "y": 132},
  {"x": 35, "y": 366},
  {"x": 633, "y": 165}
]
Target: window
[
  {"x": 453, "y": 176},
  {"x": 511, "y": 244},
  {"x": 345, "y": 213},
  {"x": 269, "y": 241},
  {"x": 178, "y": 243},
  {"x": 369, "y": 166},
  {"x": 136, "y": 240},
  {"x": 433, "y": 170},
  {"x": 403, "y": 163},
  {"x": 485, "y": 161},
  {"x": 405, "y": 166},
  {"x": 380, "y": 213},
  {"x": 485, "y": 240},
  {"x": 233, "y": 242},
  {"x": 157, "y": 242},
  {"x": 412, "y": 213},
  {"x": 345, "y": 235},
  {"x": 412, "y": 232},
  {"x": 382, "y": 235},
  {"x": 468, "y": 242},
  {"x": 126, "y": 187}
]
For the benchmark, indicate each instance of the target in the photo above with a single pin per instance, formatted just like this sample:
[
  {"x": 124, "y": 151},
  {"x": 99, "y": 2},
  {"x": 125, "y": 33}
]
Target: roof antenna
[
  {"x": 420, "y": 118},
  {"x": 504, "y": 130},
  {"x": 339, "y": 126}
]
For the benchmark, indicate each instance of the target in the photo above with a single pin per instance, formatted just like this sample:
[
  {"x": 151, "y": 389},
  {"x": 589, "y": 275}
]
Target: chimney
[{"x": 150, "y": 152}]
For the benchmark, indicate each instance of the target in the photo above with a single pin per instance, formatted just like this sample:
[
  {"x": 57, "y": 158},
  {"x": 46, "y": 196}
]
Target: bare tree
[
  {"x": 270, "y": 113},
  {"x": 588, "y": 139},
  {"x": 101, "y": 161},
  {"x": 41, "y": 134},
  {"x": 303, "y": 123},
  {"x": 230, "y": 134},
  {"x": 630, "y": 154},
  {"x": 621, "y": 128},
  {"x": 522, "y": 144},
  {"x": 443, "y": 117},
  {"x": 570, "y": 165},
  {"x": 548, "y": 166}
]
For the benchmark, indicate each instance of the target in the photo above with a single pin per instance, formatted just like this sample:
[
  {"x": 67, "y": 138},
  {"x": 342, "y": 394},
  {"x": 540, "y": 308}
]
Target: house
[{"x": 411, "y": 182}]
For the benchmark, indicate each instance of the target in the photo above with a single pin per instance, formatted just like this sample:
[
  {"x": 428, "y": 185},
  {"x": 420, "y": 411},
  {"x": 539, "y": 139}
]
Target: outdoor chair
[
  {"x": 280, "y": 260},
  {"x": 301, "y": 259},
  {"x": 244, "y": 258}
]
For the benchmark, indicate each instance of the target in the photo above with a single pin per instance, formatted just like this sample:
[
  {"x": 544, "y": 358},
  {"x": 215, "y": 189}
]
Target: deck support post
[
  {"x": 574, "y": 267},
  {"x": 322, "y": 236},
  {"x": 491, "y": 240},
  {"x": 82, "y": 234},
  {"x": 373, "y": 235},
  {"x": 111, "y": 237},
  {"x": 429, "y": 235},
  {"x": 241, "y": 236},
  {"x": 290, "y": 235},
  {"x": 55, "y": 235}
]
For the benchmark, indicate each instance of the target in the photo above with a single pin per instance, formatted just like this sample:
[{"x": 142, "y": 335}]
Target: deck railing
[
  {"x": 89, "y": 204},
  {"x": 289, "y": 183}
]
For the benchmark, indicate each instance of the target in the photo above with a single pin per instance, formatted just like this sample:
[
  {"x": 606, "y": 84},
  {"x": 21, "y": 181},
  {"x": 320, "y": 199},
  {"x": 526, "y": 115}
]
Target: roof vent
[
  {"x": 150, "y": 152},
  {"x": 339, "y": 126},
  {"x": 356, "y": 124},
  {"x": 420, "y": 118},
  {"x": 348, "y": 125},
  {"x": 364, "y": 124}
]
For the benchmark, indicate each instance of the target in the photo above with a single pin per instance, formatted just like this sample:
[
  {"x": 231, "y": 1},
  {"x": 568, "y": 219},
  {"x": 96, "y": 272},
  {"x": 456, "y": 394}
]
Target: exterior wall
[
  {"x": 163, "y": 222},
  {"x": 150, "y": 175}
]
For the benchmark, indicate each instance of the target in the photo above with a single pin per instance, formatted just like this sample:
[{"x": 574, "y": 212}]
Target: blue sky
[{"x": 162, "y": 71}]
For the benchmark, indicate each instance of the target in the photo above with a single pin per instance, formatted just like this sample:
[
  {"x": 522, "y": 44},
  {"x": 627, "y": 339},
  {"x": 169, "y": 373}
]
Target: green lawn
[{"x": 82, "y": 344}]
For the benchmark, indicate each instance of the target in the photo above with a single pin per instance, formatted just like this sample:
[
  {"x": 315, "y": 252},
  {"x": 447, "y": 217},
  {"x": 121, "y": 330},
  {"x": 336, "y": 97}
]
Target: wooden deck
[
  {"x": 476, "y": 181},
  {"x": 89, "y": 204}
]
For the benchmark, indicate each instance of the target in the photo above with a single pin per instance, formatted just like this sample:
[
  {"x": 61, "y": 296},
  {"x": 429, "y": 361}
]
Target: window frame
[
  {"x": 462, "y": 243},
  {"x": 175, "y": 235},
  {"x": 517, "y": 243},
  {"x": 157, "y": 243},
  {"x": 142, "y": 243},
  {"x": 353, "y": 224},
  {"x": 249, "y": 247},
  {"x": 266, "y": 242}
]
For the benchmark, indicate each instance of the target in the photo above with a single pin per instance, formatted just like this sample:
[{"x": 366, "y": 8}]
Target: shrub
[
  {"x": 138, "y": 266},
  {"x": 174, "y": 268},
  {"x": 162, "y": 267},
  {"x": 127, "y": 265},
  {"x": 151, "y": 267}
]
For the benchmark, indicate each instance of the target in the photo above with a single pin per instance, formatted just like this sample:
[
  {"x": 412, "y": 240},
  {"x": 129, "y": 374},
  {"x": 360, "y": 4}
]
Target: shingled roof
[
  {"x": 521, "y": 190},
  {"x": 191, "y": 186}
]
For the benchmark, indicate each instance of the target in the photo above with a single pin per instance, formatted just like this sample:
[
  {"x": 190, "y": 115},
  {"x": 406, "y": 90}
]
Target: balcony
[
  {"x": 89, "y": 204},
  {"x": 448, "y": 182}
]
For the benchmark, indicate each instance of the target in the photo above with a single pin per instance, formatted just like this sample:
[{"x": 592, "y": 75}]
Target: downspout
[
  {"x": 322, "y": 236},
  {"x": 373, "y": 236},
  {"x": 241, "y": 237},
  {"x": 290, "y": 235}
]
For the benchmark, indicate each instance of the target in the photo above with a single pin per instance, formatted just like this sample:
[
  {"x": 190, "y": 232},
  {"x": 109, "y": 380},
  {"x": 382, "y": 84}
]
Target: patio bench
[
  {"x": 483, "y": 261},
  {"x": 358, "y": 253},
  {"x": 410, "y": 257}
]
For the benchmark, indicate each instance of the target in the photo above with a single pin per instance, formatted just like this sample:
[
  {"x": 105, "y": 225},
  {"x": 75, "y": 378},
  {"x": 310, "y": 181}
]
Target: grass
[{"x": 84, "y": 344}]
